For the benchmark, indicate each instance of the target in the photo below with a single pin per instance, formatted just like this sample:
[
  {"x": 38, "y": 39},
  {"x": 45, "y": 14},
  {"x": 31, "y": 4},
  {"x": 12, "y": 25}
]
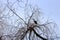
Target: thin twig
[
  {"x": 30, "y": 18},
  {"x": 17, "y": 15}
]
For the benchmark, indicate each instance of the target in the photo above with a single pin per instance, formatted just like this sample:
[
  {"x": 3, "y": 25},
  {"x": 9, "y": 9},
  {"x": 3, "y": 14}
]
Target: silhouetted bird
[
  {"x": 35, "y": 21},
  {"x": 1, "y": 38}
]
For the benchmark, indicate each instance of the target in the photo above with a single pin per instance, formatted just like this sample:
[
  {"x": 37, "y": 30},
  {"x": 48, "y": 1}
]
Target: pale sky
[{"x": 51, "y": 10}]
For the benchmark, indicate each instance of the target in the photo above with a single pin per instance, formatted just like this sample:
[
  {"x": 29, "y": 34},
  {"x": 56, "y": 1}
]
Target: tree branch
[
  {"x": 39, "y": 35},
  {"x": 30, "y": 18},
  {"x": 24, "y": 35},
  {"x": 17, "y": 15}
]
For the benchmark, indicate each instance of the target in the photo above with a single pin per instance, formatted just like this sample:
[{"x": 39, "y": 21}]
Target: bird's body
[{"x": 35, "y": 21}]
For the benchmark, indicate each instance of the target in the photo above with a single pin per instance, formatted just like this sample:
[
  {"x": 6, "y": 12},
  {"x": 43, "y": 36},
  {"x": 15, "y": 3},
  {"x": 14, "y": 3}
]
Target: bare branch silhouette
[{"x": 24, "y": 30}]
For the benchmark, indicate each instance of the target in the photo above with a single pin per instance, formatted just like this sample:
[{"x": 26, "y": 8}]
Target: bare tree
[{"x": 28, "y": 26}]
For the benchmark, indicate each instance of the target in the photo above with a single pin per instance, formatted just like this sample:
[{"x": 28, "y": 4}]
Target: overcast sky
[{"x": 51, "y": 9}]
